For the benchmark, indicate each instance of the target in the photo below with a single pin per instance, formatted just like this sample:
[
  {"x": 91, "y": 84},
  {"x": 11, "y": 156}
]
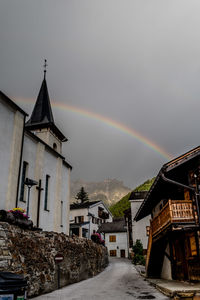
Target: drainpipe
[
  {"x": 194, "y": 190},
  {"x": 20, "y": 163},
  {"x": 197, "y": 197},
  {"x": 89, "y": 223}
]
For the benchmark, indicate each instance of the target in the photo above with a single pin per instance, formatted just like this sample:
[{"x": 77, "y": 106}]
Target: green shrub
[{"x": 138, "y": 258}]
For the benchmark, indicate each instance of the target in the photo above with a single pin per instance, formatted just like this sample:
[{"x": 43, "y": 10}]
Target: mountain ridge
[{"x": 109, "y": 191}]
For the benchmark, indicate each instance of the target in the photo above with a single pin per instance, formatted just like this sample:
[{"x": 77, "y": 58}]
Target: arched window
[{"x": 54, "y": 146}]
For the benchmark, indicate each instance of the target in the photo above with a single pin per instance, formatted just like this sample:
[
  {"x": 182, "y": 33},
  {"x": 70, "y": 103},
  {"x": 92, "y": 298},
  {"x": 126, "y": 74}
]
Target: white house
[
  {"x": 31, "y": 153},
  {"x": 116, "y": 240},
  {"x": 86, "y": 217},
  {"x": 140, "y": 229}
]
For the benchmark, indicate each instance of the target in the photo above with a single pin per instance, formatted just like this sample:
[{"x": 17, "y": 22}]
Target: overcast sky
[{"x": 134, "y": 62}]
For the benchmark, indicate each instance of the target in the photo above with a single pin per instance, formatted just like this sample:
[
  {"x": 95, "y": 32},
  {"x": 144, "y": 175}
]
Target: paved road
[{"x": 119, "y": 281}]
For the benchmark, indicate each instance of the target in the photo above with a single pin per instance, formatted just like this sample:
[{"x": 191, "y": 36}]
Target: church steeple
[
  {"x": 42, "y": 117},
  {"x": 42, "y": 112}
]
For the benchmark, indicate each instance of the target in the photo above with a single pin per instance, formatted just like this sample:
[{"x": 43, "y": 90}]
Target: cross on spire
[{"x": 45, "y": 67}]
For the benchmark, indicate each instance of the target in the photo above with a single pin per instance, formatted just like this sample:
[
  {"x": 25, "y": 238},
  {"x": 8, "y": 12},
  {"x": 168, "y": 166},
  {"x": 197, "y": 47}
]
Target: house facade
[
  {"x": 140, "y": 229},
  {"x": 173, "y": 202},
  {"x": 86, "y": 217},
  {"x": 116, "y": 238},
  {"x": 36, "y": 172}
]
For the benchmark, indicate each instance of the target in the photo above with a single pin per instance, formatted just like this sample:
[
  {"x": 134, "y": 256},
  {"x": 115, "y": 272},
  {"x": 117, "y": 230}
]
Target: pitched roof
[
  {"x": 116, "y": 226},
  {"x": 137, "y": 195},
  {"x": 11, "y": 103},
  {"x": 161, "y": 184},
  {"x": 42, "y": 116},
  {"x": 83, "y": 205}
]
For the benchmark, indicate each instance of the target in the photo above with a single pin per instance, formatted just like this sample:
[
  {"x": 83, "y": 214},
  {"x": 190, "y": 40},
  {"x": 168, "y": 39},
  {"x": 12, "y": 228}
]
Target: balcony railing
[{"x": 175, "y": 211}]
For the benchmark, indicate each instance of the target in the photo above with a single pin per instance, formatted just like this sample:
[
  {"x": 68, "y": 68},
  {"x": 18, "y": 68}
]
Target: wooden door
[
  {"x": 180, "y": 267},
  {"x": 122, "y": 252}
]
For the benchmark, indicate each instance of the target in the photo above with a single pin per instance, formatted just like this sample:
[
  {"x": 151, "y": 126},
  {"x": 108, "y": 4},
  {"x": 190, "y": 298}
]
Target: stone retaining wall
[{"x": 32, "y": 253}]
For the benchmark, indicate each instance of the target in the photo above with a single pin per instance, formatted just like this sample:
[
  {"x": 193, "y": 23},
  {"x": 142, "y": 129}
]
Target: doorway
[{"x": 180, "y": 269}]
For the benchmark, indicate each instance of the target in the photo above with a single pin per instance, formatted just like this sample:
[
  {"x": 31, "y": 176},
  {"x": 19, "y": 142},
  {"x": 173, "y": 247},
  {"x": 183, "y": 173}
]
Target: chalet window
[
  {"x": 24, "y": 173},
  {"x": 113, "y": 253},
  {"x": 186, "y": 194},
  {"x": 94, "y": 220},
  {"x": 79, "y": 219},
  {"x": 193, "y": 245},
  {"x": 54, "y": 146},
  {"x": 112, "y": 238},
  {"x": 46, "y": 195},
  {"x": 147, "y": 230}
]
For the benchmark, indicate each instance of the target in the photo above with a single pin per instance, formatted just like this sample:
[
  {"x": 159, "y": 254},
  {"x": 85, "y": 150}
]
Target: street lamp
[{"x": 29, "y": 183}]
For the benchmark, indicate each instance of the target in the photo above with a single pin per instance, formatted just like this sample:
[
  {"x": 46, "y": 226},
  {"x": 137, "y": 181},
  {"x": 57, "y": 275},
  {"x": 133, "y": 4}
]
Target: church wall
[
  {"x": 6, "y": 125},
  {"x": 49, "y": 169},
  {"x": 42, "y": 163},
  {"x": 49, "y": 138},
  {"x": 65, "y": 197},
  {"x": 55, "y": 143},
  {"x": 11, "y": 124},
  {"x": 28, "y": 156},
  {"x": 57, "y": 195}
]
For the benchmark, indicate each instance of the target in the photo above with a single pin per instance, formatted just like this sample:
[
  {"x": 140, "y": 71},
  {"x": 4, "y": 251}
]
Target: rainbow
[{"x": 117, "y": 125}]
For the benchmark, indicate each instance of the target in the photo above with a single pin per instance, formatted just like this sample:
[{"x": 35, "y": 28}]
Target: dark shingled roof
[
  {"x": 42, "y": 116},
  {"x": 42, "y": 112},
  {"x": 116, "y": 226},
  {"x": 83, "y": 205},
  {"x": 138, "y": 195}
]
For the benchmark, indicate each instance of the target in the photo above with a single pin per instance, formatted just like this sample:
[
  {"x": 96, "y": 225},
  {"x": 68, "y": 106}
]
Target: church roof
[{"x": 42, "y": 116}]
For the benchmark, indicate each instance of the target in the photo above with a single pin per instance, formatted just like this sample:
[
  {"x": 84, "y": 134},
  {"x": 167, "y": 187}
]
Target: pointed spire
[
  {"x": 42, "y": 116},
  {"x": 42, "y": 112},
  {"x": 45, "y": 68}
]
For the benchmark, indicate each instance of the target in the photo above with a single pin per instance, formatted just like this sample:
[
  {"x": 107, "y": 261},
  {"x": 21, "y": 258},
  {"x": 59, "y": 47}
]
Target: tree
[
  {"x": 82, "y": 195},
  {"x": 138, "y": 258}
]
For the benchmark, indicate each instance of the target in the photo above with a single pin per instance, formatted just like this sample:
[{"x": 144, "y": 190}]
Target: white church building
[{"x": 34, "y": 173}]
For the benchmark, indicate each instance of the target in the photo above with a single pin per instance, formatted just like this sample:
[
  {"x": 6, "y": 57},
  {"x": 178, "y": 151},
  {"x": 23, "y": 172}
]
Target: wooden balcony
[{"x": 174, "y": 212}]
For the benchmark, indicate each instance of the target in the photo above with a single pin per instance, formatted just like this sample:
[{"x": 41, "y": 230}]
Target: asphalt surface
[{"x": 118, "y": 281}]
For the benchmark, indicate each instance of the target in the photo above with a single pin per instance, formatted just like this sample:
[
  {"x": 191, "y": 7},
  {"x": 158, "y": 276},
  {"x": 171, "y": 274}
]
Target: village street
[{"x": 119, "y": 281}]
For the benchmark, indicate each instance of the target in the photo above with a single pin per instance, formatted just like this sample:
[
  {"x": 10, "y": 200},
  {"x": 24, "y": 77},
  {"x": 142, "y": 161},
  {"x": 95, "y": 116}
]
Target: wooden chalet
[{"x": 173, "y": 202}]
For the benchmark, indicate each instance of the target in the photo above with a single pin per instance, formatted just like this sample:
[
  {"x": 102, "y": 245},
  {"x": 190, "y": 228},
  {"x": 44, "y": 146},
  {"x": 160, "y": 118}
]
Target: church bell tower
[{"x": 41, "y": 122}]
